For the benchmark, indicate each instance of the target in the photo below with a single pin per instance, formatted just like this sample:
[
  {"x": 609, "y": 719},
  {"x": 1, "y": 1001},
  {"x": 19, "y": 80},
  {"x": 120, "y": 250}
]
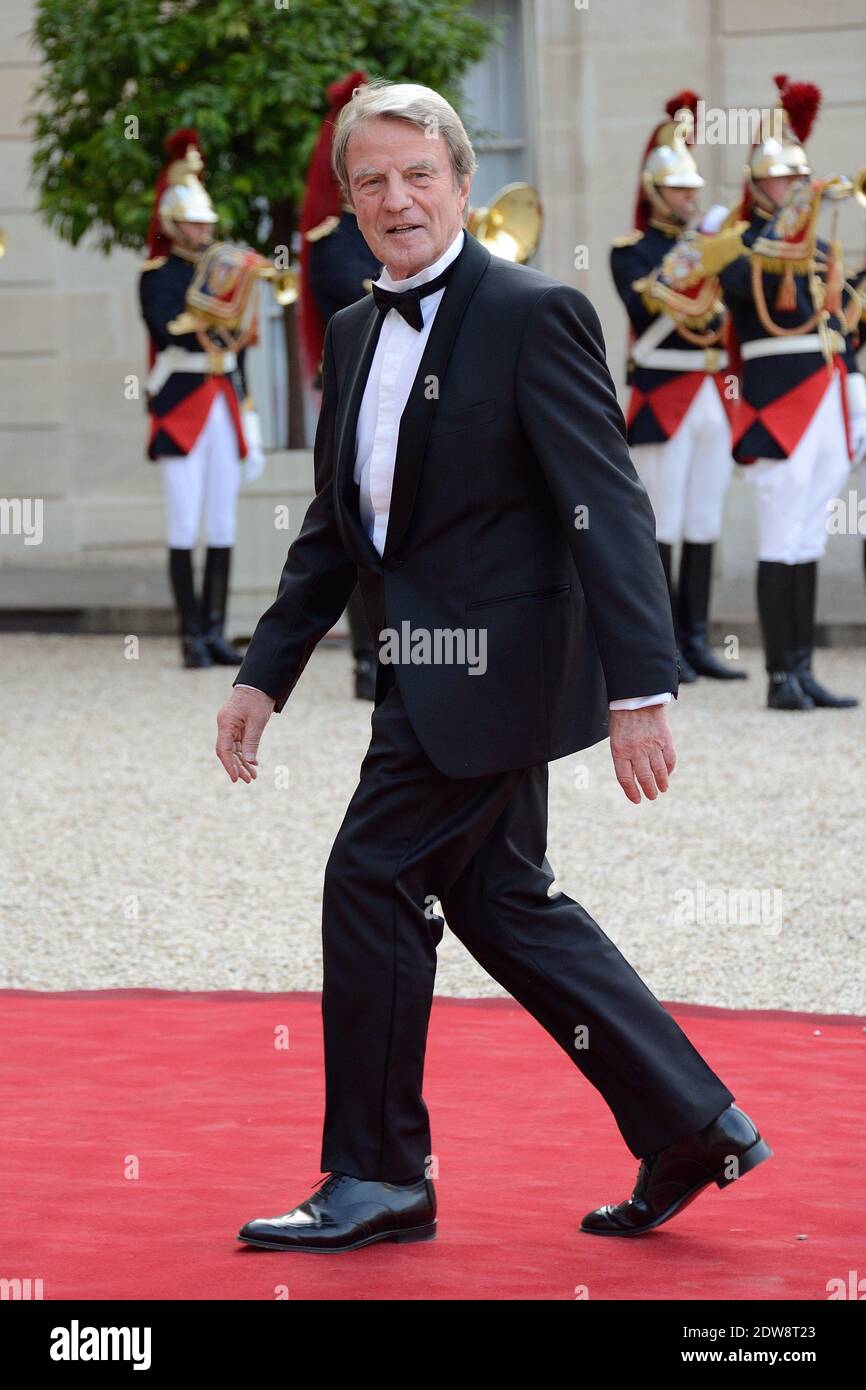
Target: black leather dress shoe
[
  {"x": 345, "y": 1213},
  {"x": 222, "y": 652},
  {"x": 702, "y": 659},
  {"x": 784, "y": 691},
  {"x": 194, "y": 651},
  {"x": 668, "y": 1180},
  {"x": 818, "y": 693}
]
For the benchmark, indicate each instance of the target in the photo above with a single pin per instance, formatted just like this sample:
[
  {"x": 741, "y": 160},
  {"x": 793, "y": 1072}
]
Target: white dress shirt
[{"x": 393, "y": 370}]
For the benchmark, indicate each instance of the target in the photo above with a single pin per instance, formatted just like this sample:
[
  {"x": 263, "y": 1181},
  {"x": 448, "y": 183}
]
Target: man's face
[
  {"x": 776, "y": 189},
  {"x": 196, "y": 234},
  {"x": 400, "y": 177},
  {"x": 683, "y": 202}
]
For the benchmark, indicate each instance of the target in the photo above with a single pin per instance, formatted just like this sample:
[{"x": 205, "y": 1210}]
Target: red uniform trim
[
  {"x": 670, "y": 402},
  {"x": 788, "y": 417},
  {"x": 743, "y": 417},
  {"x": 635, "y": 402},
  {"x": 186, "y": 421},
  {"x": 839, "y": 364}
]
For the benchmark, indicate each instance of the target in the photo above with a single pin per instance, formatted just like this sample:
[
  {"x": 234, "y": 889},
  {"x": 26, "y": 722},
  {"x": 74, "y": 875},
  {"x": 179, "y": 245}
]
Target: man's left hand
[{"x": 642, "y": 749}]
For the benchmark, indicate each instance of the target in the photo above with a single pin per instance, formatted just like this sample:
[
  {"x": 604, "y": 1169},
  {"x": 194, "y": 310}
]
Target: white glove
[
  {"x": 254, "y": 463},
  {"x": 713, "y": 219},
  {"x": 855, "y": 385},
  {"x": 858, "y": 440}
]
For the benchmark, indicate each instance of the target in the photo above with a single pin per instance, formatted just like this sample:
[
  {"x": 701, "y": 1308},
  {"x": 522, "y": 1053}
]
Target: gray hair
[{"x": 403, "y": 101}]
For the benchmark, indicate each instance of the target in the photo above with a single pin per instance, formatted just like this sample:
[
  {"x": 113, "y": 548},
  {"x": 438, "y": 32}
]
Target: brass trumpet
[
  {"x": 838, "y": 187},
  {"x": 284, "y": 283},
  {"x": 510, "y": 226}
]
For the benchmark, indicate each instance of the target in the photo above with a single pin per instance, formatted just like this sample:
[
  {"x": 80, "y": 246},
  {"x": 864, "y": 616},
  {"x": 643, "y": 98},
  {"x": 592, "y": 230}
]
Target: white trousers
[
  {"x": 687, "y": 476},
  {"x": 210, "y": 473},
  {"x": 793, "y": 493}
]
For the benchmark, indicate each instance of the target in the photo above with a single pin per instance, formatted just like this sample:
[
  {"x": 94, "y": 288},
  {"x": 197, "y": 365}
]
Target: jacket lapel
[
  {"x": 346, "y": 491},
  {"x": 418, "y": 413}
]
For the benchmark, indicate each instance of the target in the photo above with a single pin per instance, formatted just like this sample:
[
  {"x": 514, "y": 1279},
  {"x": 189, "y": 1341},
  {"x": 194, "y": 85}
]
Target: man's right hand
[
  {"x": 240, "y": 724},
  {"x": 642, "y": 749}
]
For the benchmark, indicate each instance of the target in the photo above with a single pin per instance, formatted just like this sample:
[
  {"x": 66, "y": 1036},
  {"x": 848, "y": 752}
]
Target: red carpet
[{"x": 223, "y": 1126}]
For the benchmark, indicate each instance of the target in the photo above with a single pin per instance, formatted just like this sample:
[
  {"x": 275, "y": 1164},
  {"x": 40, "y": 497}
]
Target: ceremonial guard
[
  {"x": 194, "y": 393},
  {"x": 678, "y": 431},
  {"x": 801, "y": 414},
  {"x": 337, "y": 268}
]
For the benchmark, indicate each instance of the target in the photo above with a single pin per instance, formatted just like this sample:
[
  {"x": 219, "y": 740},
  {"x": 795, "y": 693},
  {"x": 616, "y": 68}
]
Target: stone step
[{"x": 109, "y": 599}]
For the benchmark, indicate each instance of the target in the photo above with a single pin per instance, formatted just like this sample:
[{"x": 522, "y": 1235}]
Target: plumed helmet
[
  {"x": 179, "y": 195},
  {"x": 782, "y": 152},
  {"x": 667, "y": 160}
]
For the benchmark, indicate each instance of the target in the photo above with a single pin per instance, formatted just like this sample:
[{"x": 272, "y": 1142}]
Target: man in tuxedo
[{"x": 472, "y": 475}]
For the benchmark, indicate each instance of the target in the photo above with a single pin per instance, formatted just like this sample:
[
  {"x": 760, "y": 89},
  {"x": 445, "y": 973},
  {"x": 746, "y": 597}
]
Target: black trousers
[{"x": 412, "y": 836}]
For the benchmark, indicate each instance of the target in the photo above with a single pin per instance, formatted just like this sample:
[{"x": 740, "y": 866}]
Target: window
[{"x": 495, "y": 93}]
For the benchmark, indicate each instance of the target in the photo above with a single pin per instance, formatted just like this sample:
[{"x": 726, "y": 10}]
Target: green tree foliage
[{"x": 249, "y": 74}]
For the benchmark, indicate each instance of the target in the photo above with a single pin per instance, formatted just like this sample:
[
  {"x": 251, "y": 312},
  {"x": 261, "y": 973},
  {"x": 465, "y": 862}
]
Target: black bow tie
[{"x": 408, "y": 302}]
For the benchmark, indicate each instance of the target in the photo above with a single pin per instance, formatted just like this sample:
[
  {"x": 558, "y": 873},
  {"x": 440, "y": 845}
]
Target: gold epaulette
[
  {"x": 628, "y": 239},
  {"x": 323, "y": 229},
  {"x": 153, "y": 264}
]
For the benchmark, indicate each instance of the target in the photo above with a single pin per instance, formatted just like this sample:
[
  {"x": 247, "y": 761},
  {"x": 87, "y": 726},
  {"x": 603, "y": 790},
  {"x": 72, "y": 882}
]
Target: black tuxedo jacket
[{"x": 515, "y": 509}]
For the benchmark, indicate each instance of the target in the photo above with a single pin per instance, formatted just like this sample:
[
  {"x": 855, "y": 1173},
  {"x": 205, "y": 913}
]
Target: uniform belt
[
  {"x": 776, "y": 347},
  {"x": 177, "y": 359},
  {"x": 661, "y": 327},
  {"x": 684, "y": 359}
]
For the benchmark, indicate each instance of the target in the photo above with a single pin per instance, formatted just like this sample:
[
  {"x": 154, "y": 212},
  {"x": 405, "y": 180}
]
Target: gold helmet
[
  {"x": 185, "y": 198},
  {"x": 179, "y": 195},
  {"x": 667, "y": 160},
  {"x": 781, "y": 153}
]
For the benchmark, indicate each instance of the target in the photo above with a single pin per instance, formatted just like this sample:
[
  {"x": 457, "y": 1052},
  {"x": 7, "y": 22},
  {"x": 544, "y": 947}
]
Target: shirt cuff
[{"x": 638, "y": 701}]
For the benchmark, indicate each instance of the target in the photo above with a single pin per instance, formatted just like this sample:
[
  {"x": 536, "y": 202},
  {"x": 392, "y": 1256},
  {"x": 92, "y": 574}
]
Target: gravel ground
[{"x": 129, "y": 859}]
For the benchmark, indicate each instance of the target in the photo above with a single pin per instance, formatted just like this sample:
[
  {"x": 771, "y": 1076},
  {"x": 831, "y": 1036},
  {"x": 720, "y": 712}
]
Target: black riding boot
[
  {"x": 696, "y": 564},
  {"x": 805, "y": 596},
  {"x": 687, "y": 672},
  {"x": 193, "y": 646},
  {"x": 776, "y": 613},
  {"x": 213, "y": 605},
  {"x": 362, "y": 647}
]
